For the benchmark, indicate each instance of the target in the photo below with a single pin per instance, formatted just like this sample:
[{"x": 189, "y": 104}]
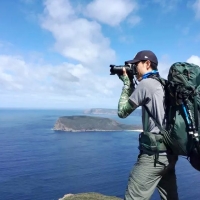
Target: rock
[
  {"x": 88, "y": 196},
  {"x": 65, "y": 196}
]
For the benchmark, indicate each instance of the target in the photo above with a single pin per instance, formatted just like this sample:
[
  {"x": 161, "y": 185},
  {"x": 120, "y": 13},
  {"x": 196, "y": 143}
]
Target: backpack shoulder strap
[
  {"x": 161, "y": 80},
  {"x": 157, "y": 124}
]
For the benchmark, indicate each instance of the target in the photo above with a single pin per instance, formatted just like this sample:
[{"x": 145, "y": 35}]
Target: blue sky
[{"x": 56, "y": 53}]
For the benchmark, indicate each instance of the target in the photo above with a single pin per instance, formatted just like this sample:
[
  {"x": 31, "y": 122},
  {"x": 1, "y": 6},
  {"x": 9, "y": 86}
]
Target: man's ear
[{"x": 148, "y": 64}]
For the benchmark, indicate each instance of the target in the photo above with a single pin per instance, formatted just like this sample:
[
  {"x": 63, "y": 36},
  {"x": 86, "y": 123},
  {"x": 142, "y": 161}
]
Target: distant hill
[
  {"x": 98, "y": 111},
  {"x": 88, "y": 123}
]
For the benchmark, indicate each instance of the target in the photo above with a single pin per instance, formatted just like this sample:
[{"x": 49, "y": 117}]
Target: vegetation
[{"x": 90, "y": 196}]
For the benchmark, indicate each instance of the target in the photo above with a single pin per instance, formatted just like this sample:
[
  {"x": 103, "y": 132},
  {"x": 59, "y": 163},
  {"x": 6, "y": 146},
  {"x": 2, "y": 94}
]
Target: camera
[{"x": 130, "y": 69}]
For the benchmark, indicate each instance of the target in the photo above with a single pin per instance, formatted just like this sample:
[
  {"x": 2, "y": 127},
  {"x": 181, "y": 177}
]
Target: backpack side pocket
[{"x": 151, "y": 143}]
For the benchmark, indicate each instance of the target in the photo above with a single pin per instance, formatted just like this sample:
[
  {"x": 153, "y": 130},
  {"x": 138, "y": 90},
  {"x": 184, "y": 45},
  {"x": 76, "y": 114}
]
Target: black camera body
[{"x": 130, "y": 69}]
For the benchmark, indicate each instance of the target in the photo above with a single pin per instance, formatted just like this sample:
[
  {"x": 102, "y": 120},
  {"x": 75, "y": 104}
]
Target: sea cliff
[{"x": 90, "y": 123}]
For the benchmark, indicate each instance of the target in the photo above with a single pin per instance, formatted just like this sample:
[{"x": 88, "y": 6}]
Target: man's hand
[{"x": 124, "y": 77}]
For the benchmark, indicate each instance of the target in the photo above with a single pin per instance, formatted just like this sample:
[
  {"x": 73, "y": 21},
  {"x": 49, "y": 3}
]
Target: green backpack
[
  {"x": 182, "y": 104},
  {"x": 182, "y": 108}
]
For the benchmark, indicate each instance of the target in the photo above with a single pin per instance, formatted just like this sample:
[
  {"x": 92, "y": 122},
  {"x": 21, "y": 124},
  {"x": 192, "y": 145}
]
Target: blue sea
[{"x": 37, "y": 163}]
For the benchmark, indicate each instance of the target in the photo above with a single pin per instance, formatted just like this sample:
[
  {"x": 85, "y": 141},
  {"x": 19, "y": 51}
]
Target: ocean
[{"x": 37, "y": 163}]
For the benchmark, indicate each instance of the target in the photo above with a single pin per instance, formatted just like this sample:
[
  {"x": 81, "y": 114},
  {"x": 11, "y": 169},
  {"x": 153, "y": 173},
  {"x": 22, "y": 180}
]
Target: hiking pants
[{"x": 145, "y": 177}]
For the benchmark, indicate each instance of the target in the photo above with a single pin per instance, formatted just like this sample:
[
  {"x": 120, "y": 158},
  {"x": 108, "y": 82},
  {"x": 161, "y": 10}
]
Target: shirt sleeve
[
  {"x": 125, "y": 107},
  {"x": 140, "y": 94}
]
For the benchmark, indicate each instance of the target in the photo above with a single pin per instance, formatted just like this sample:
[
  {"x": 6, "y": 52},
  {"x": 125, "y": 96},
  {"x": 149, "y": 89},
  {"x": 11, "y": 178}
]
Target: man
[{"x": 151, "y": 170}]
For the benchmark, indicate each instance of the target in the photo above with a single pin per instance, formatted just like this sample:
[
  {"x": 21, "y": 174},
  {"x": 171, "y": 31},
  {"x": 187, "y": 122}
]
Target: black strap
[
  {"x": 148, "y": 113},
  {"x": 146, "y": 117},
  {"x": 164, "y": 84},
  {"x": 162, "y": 81}
]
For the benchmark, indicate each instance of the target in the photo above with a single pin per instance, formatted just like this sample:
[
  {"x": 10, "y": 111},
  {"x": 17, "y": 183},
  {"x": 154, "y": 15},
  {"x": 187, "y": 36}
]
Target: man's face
[{"x": 142, "y": 68}]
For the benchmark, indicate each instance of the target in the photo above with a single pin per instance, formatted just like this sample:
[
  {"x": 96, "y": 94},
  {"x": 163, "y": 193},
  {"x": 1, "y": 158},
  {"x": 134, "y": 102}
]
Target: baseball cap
[{"x": 144, "y": 55}]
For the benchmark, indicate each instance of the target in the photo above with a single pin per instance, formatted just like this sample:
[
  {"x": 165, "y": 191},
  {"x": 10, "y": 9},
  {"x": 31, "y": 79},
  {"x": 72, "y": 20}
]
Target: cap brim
[{"x": 132, "y": 61}]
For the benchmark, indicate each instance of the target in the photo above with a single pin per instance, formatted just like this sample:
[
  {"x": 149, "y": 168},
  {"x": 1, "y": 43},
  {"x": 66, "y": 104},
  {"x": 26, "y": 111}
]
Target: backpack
[{"x": 182, "y": 106}]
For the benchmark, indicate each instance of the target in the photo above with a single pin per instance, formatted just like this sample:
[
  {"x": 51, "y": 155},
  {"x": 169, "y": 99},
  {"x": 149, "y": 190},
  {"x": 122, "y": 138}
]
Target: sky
[{"x": 55, "y": 54}]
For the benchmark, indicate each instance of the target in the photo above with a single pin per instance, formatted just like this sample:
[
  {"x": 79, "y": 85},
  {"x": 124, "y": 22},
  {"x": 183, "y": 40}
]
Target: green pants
[{"x": 144, "y": 178}]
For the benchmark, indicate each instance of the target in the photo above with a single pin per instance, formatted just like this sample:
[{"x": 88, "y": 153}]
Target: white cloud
[
  {"x": 196, "y": 7},
  {"x": 167, "y": 5},
  {"x": 133, "y": 20},
  {"x": 163, "y": 69},
  {"x": 111, "y": 12},
  {"x": 194, "y": 59},
  {"x": 66, "y": 83},
  {"x": 76, "y": 38},
  {"x": 126, "y": 39},
  {"x": 34, "y": 83}
]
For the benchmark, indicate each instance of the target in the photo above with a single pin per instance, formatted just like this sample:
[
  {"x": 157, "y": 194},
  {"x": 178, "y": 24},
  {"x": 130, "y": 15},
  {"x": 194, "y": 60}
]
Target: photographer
[{"x": 152, "y": 169}]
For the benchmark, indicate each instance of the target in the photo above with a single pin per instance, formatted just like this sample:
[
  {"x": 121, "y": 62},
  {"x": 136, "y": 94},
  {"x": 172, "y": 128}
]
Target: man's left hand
[{"x": 124, "y": 77}]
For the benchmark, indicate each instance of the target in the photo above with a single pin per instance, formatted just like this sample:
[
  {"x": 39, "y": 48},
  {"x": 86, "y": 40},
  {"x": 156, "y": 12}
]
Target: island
[
  {"x": 84, "y": 123},
  {"x": 105, "y": 111}
]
